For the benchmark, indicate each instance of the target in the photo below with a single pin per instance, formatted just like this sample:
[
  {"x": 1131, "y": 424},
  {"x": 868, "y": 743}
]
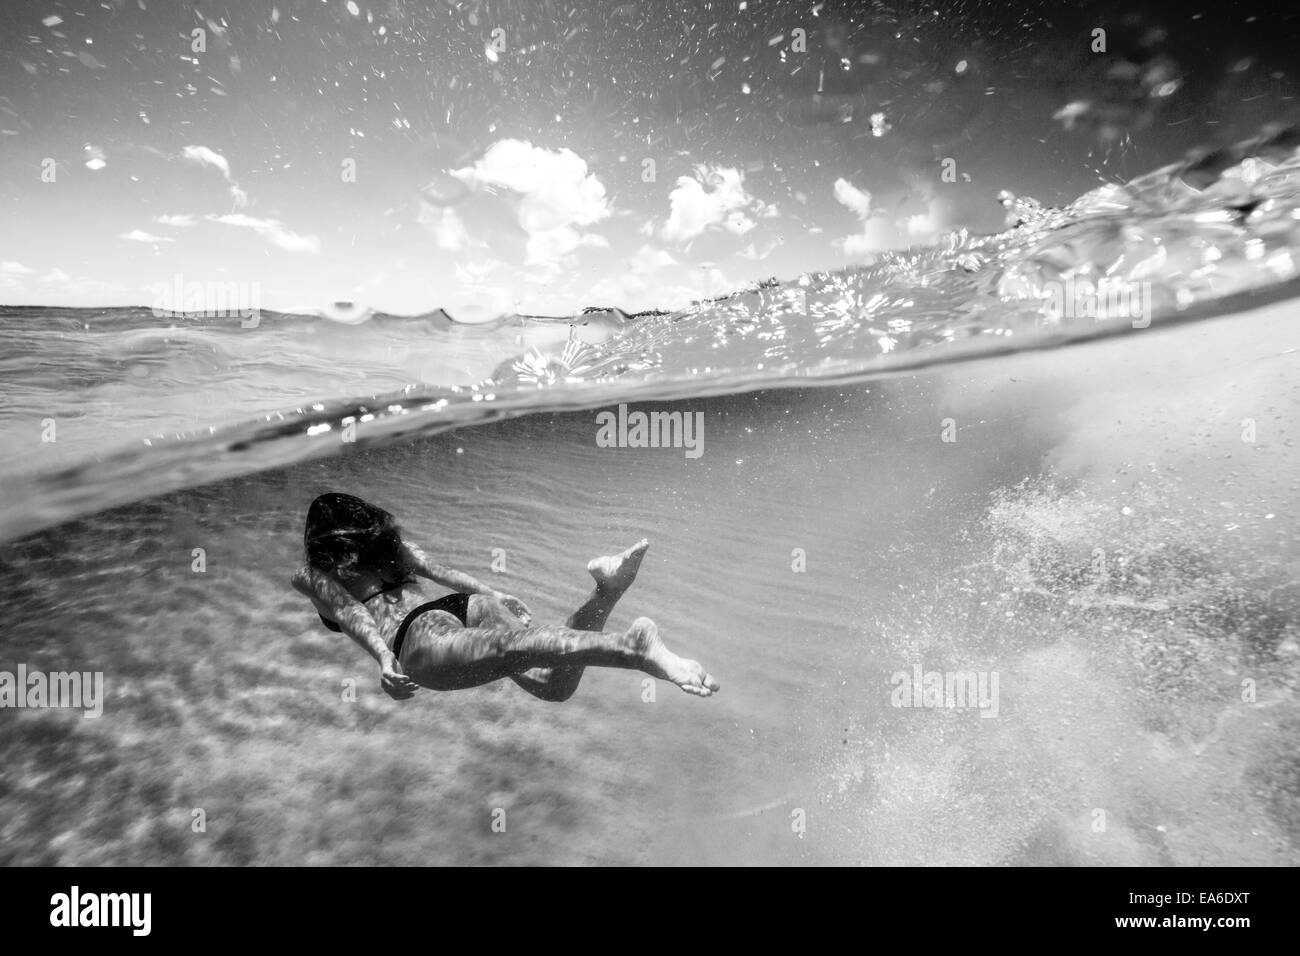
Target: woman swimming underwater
[{"x": 361, "y": 576}]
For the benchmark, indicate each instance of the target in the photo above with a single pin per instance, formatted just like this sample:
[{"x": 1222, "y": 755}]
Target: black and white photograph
[{"x": 683, "y": 433}]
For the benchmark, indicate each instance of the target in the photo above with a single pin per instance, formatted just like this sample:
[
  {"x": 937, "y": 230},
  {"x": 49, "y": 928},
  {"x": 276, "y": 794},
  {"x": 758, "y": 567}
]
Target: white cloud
[
  {"x": 695, "y": 208},
  {"x": 556, "y": 186},
  {"x": 858, "y": 200},
  {"x": 54, "y": 286},
  {"x": 479, "y": 294},
  {"x": 475, "y": 273},
  {"x": 446, "y": 227},
  {"x": 548, "y": 249},
  {"x": 12, "y": 275},
  {"x": 271, "y": 230},
  {"x": 647, "y": 286},
  {"x": 11, "y": 272},
  {"x": 738, "y": 223},
  {"x": 183, "y": 220},
  {"x": 880, "y": 233},
  {"x": 756, "y": 250},
  {"x": 139, "y": 235},
  {"x": 639, "y": 285},
  {"x": 619, "y": 291},
  {"x": 208, "y": 157},
  {"x": 924, "y": 225},
  {"x": 557, "y": 195},
  {"x": 648, "y": 260}
]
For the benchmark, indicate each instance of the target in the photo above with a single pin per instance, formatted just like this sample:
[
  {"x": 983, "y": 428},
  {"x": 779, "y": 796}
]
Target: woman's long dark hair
[{"x": 347, "y": 534}]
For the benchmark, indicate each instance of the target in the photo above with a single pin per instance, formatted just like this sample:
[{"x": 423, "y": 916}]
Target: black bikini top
[
  {"x": 366, "y": 600},
  {"x": 392, "y": 587}
]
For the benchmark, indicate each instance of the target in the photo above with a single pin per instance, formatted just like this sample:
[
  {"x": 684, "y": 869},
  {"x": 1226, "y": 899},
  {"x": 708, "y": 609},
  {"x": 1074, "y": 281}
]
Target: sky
[{"x": 488, "y": 157}]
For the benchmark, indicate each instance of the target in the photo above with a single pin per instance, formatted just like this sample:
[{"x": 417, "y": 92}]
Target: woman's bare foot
[
  {"x": 615, "y": 573},
  {"x": 664, "y": 664}
]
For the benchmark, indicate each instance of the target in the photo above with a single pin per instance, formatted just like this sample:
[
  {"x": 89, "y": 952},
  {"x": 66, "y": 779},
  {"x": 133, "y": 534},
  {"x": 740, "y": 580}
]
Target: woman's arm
[
  {"x": 358, "y": 624},
  {"x": 423, "y": 565}
]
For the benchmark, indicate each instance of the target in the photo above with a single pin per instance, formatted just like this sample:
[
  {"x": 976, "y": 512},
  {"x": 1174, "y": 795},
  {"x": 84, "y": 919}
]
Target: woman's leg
[
  {"x": 444, "y": 658},
  {"x": 613, "y": 574}
]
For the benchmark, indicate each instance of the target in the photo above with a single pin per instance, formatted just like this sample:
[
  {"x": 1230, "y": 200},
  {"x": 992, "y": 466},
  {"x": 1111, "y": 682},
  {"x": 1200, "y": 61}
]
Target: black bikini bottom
[{"x": 457, "y": 604}]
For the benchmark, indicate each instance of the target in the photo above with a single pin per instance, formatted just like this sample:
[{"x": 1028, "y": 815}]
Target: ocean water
[{"x": 924, "y": 463}]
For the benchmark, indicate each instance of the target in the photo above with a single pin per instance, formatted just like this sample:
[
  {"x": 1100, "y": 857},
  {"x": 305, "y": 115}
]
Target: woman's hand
[
  {"x": 515, "y": 606},
  {"x": 396, "y": 684}
]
